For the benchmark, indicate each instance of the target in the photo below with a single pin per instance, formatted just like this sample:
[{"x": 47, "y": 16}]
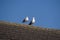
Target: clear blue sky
[{"x": 46, "y": 12}]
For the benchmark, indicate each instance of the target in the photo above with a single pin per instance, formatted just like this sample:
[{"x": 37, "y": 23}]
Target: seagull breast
[
  {"x": 26, "y": 19},
  {"x": 33, "y": 20}
]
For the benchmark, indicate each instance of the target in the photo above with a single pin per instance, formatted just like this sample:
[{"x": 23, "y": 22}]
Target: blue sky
[{"x": 46, "y": 12}]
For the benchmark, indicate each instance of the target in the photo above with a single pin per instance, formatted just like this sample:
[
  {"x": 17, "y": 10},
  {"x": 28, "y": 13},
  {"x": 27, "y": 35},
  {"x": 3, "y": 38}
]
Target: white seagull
[
  {"x": 32, "y": 21},
  {"x": 26, "y": 19}
]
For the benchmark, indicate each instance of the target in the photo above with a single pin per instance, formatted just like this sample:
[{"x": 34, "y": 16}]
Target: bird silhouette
[
  {"x": 32, "y": 21},
  {"x": 26, "y": 19}
]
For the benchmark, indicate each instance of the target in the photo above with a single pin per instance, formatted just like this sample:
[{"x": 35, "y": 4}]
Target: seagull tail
[
  {"x": 23, "y": 21},
  {"x": 30, "y": 23}
]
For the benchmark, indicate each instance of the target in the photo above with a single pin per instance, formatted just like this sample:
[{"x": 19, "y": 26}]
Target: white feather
[
  {"x": 26, "y": 19},
  {"x": 33, "y": 20}
]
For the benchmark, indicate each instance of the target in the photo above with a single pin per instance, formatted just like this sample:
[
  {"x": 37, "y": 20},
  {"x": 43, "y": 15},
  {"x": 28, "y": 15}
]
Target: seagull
[
  {"x": 32, "y": 21},
  {"x": 26, "y": 19}
]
